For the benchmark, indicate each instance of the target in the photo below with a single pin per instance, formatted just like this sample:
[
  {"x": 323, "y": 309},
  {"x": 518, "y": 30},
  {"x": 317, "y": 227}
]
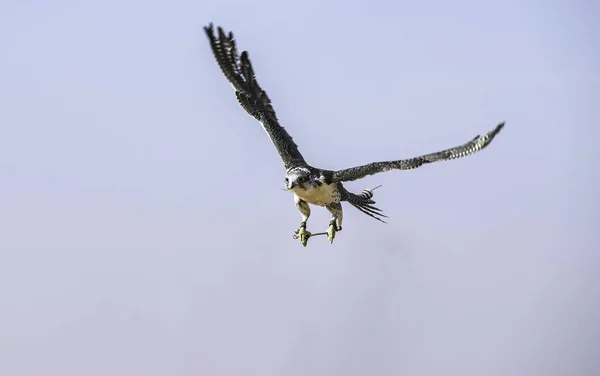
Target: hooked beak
[{"x": 291, "y": 185}]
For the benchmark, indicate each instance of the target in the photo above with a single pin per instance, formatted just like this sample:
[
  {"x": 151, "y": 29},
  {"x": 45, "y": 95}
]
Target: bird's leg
[
  {"x": 303, "y": 234},
  {"x": 335, "y": 224},
  {"x": 304, "y": 209}
]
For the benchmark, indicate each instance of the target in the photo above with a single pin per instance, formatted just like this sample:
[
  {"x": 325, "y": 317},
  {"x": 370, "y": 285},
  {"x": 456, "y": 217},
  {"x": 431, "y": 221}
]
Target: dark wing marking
[
  {"x": 251, "y": 97},
  {"x": 476, "y": 144}
]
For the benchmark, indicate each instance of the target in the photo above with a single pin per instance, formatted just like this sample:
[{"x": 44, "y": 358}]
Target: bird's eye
[
  {"x": 286, "y": 180},
  {"x": 301, "y": 179}
]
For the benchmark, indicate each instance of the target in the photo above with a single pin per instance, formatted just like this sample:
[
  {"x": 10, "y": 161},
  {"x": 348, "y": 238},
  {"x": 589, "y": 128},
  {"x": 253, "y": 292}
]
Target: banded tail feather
[
  {"x": 364, "y": 203},
  {"x": 368, "y": 193}
]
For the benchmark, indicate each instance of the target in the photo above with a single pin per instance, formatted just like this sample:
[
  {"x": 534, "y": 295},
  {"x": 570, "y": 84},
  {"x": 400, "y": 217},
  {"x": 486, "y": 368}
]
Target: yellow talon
[
  {"x": 303, "y": 234},
  {"x": 331, "y": 232}
]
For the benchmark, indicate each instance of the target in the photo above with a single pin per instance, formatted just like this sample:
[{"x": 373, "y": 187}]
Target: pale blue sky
[{"x": 143, "y": 230}]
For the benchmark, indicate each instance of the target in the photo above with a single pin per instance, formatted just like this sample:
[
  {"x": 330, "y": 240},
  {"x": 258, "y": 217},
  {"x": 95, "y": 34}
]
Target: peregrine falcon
[{"x": 312, "y": 185}]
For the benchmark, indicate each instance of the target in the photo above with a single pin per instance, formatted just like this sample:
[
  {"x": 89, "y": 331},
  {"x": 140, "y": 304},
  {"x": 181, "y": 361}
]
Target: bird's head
[{"x": 299, "y": 178}]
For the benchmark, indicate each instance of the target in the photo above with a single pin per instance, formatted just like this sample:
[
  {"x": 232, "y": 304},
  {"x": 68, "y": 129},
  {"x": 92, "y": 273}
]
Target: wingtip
[
  {"x": 221, "y": 32},
  {"x": 494, "y": 131},
  {"x": 497, "y": 129},
  {"x": 210, "y": 30}
]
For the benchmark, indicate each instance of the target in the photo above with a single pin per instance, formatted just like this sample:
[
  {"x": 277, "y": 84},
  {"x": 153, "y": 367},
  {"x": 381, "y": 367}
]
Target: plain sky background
[{"x": 143, "y": 230}]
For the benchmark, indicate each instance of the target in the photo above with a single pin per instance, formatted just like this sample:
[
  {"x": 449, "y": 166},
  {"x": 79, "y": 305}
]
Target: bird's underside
[{"x": 311, "y": 185}]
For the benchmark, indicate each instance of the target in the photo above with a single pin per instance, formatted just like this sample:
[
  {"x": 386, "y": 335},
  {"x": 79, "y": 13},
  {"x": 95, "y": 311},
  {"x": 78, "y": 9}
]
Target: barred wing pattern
[
  {"x": 476, "y": 144},
  {"x": 251, "y": 97}
]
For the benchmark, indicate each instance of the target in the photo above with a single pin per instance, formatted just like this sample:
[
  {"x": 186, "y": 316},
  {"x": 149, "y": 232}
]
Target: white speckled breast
[{"x": 321, "y": 196}]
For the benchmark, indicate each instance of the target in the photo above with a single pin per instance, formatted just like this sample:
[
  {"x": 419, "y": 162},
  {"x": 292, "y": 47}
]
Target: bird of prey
[{"x": 312, "y": 185}]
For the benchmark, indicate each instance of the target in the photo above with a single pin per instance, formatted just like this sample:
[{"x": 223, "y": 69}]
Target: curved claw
[
  {"x": 303, "y": 234},
  {"x": 331, "y": 231}
]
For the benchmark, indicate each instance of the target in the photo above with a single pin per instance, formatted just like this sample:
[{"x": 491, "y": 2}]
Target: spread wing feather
[
  {"x": 476, "y": 144},
  {"x": 239, "y": 72}
]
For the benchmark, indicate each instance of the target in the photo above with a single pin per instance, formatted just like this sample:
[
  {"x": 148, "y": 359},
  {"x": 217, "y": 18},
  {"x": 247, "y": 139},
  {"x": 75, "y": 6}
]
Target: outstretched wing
[
  {"x": 476, "y": 144},
  {"x": 253, "y": 99}
]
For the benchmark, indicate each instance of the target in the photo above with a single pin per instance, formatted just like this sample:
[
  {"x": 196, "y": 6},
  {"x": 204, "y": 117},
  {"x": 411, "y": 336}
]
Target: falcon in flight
[{"x": 312, "y": 185}]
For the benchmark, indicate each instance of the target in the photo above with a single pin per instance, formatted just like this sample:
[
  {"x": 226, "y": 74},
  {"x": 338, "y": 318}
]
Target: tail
[{"x": 364, "y": 203}]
